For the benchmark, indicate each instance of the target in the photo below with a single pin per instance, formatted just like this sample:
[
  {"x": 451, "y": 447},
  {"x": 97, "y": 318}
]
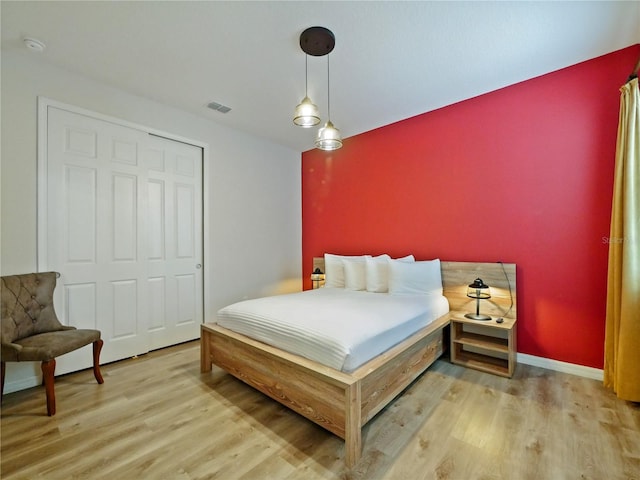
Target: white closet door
[
  {"x": 174, "y": 241},
  {"x": 117, "y": 276}
]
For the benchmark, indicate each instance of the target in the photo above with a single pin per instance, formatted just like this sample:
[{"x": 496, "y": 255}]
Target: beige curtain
[{"x": 622, "y": 335}]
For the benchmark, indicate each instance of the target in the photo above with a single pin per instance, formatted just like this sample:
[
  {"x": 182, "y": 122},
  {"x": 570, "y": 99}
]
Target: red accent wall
[{"x": 521, "y": 175}]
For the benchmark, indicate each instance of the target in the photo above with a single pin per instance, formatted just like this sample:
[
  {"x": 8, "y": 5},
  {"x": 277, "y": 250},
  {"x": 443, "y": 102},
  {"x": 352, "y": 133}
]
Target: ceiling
[{"x": 392, "y": 60}]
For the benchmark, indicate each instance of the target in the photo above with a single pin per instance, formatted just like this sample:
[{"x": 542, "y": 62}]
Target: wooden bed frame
[{"x": 344, "y": 402}]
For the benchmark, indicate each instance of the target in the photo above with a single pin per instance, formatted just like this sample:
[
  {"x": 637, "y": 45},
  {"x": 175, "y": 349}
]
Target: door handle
[{"x": 198, "y": 265}]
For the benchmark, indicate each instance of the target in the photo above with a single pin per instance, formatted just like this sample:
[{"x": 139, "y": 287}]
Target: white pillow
[
  {"x": 355, "y": 277},
  {"x": 423, "y": 278},
  {"x": 378, "y": 272},
  {"x": 334, "y": 269}
]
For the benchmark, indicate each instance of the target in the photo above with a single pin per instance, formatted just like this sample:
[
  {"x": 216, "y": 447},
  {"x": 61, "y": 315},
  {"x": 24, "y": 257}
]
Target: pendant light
[
  {"x": 329, "y": 137},
  {"x": 318, "y": 42},
  {"x": 306, "y": 114}
]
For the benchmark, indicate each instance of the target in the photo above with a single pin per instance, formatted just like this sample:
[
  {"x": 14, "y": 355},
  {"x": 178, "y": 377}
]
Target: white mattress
[{"x": 336, "y": 327}]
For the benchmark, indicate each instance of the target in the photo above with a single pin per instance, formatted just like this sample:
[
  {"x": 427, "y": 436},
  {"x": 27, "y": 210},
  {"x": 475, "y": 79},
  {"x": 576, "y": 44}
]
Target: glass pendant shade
[
  {"x": 306, "y": 114},
  {"x": 329, "y": 137}
]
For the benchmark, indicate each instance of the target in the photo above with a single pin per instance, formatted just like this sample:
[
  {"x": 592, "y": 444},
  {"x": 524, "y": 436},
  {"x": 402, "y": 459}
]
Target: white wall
[{"x": 254, "y": 187}]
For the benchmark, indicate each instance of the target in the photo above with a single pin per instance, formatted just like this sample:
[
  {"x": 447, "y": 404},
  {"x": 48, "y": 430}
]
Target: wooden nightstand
[{"x": 484, "y": 345}]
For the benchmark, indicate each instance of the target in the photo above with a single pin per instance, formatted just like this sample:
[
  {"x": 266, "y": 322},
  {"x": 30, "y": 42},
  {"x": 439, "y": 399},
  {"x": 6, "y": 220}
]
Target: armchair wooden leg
[
  {"x": 97, "y": 348},
  {"x": 48, "y": 375}
]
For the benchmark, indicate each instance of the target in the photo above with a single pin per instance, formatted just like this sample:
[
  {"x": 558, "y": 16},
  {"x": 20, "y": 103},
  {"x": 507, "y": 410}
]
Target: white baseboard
[
  {"x": 558, "y": 366},
  {"x": 22, "y": 384}
]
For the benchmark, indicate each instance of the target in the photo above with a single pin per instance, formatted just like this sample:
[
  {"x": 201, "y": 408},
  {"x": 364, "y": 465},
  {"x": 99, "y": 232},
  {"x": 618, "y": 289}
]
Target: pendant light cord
[
  {"x": 328, "y": 91},
  {"x": 306, "y": 74}
]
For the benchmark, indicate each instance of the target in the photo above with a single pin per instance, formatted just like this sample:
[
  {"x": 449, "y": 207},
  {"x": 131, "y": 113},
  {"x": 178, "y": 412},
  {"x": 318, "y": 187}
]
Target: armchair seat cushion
[{"x": 45, "y": 346}]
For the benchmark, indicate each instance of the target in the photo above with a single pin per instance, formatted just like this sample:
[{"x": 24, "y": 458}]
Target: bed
[{"x": 344, "y": 401}]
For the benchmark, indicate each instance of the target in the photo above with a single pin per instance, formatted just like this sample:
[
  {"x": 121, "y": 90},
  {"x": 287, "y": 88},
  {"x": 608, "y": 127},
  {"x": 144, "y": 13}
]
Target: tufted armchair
[{"x": 31, "y": 331}]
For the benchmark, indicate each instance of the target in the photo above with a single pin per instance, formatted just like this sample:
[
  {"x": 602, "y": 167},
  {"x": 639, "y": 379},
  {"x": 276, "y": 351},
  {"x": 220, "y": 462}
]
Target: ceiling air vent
[{"x": 218, "y": 107}]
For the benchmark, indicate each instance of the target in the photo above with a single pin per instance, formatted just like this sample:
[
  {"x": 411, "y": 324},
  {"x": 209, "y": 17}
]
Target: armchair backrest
[{"x": 27, "y": 305}]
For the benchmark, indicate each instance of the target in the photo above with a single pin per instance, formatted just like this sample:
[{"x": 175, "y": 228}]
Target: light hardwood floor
[{"x": 157, "y": 417}]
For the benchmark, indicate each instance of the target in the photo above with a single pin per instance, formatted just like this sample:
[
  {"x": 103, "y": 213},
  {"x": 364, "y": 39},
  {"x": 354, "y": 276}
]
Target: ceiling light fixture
[{"x": 318, "y": 42}]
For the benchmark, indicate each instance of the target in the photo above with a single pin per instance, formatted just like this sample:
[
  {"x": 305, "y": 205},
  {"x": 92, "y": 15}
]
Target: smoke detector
[{"x": 34, "y": 44}]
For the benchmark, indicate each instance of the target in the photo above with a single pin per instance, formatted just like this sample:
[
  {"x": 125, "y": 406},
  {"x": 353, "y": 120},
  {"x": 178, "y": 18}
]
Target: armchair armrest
[{"x": 10, "y": 351}]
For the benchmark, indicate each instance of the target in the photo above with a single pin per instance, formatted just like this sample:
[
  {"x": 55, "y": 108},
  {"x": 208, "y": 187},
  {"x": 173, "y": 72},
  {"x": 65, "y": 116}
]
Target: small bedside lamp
[
  {"x": 478, "y": 290},
  {"x": 317, "y": 277}
]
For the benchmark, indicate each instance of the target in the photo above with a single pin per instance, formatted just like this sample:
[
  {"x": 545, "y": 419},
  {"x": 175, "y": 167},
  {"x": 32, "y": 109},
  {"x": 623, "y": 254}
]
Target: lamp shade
[
  {"x": 329, "y": 137},
  {"x": 478, "y": 289},
  {"x": 306, "y": 114}
]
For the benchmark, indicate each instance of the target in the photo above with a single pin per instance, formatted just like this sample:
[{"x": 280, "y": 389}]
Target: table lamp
[
  {"x": 317, "y": 277},
  {"x": 478, "y": 290}
]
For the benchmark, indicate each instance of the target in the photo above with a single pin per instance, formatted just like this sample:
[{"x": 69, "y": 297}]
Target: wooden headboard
[{"x": 456, "y": 276}]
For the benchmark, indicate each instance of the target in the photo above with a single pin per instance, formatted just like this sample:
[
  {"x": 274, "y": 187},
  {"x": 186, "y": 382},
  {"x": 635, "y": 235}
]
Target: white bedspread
[{"x": 336, "y": 327}]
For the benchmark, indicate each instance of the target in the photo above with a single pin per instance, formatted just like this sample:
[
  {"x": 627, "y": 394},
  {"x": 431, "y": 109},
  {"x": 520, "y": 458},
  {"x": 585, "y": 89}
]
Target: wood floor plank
[{"x": 158, "y": 417}]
